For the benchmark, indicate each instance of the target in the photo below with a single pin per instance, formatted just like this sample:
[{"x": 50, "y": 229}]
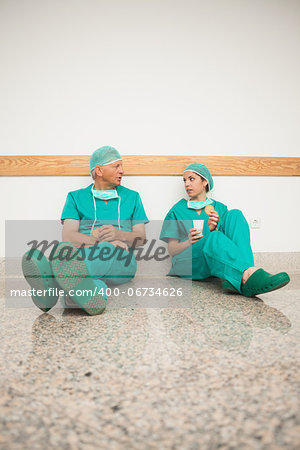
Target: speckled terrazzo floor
[{"x": 221, "y": 374}]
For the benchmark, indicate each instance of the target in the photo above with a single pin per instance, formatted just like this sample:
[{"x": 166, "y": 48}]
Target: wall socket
[{"x": 255, "y": 222}]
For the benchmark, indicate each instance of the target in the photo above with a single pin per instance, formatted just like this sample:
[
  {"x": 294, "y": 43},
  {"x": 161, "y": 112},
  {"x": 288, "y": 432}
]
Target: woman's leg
[
  {"x": 224, "y": 254},
  {"x": 227, "y": 254},
  {"x": 223, "y": 257},
  {"x": 236, "y": 228}
]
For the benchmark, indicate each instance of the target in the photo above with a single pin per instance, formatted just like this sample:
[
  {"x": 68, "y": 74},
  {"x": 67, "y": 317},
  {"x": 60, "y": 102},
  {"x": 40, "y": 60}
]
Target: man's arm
[
  {"x": 71, "y": 234},
  {"x": 134, "y": 238},
  {"x": 137, "y": 236}
]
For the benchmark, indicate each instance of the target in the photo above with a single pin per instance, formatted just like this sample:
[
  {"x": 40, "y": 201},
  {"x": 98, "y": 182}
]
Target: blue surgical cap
[
  {"x": 103, "y": 156},
  {"x": 203, "y": 171}
]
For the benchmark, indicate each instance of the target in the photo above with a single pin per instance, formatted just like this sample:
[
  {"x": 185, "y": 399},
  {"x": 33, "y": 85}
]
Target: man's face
[{"x": 112, "y": 173}]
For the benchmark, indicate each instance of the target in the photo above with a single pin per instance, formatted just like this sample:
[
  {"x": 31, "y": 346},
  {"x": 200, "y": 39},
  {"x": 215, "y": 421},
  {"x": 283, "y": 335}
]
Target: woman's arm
[{"x": 175, "y": 247}]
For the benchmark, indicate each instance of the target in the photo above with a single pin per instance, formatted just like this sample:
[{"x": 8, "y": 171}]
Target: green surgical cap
[
  {"x": 103, "y": 156},
  {"x": 203, "y": 171}
]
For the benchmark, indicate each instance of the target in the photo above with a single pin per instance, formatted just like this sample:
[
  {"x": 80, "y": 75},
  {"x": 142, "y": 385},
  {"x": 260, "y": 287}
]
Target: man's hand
[
  {"x": 107, "y": 233},
  {"x": 194, "y": 235},
  {"x": 120, "y": 244},
  {"x": 213, "y": 220}
]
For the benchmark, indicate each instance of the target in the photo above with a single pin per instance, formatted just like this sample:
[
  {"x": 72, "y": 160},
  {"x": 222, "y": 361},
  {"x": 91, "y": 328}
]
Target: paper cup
[{"x": 199, "y": 225}]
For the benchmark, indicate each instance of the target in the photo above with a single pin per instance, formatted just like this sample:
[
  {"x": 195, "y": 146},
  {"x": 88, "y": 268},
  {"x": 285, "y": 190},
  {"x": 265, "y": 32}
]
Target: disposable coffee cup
[{"x": 198, "y": 224}]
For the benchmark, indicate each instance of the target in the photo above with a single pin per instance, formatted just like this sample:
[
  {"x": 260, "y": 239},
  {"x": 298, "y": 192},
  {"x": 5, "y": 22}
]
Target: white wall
[{"x": 153, "y": 77}]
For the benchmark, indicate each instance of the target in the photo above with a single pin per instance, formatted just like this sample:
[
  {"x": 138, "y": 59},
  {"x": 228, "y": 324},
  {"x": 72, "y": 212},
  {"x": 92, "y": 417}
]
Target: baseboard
[
  {"x": 270, "y": 261},
  {"x": 278, "y": 261}
]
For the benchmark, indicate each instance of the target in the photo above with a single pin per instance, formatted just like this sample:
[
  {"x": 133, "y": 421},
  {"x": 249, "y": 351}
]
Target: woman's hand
[
  {"x": 120, "y": 244},
  {"x": 213, "y": 220},
  {"x": 194, "y": 235}
]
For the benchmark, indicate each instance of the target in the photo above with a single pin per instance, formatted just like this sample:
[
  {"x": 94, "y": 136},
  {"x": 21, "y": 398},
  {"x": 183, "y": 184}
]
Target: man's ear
[{"x": 98, "y": 171}]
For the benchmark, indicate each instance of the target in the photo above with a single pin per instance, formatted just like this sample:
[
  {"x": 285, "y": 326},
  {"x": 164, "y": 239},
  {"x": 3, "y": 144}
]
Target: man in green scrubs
[
  {"x": 222, "y": 249},
  {"x": 102, "y": 224},
  {"x": 105, "y": 212}
]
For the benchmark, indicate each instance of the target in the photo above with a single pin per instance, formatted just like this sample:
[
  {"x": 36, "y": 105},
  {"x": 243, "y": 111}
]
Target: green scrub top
[
  {"x": 179, "y": 220},
  {"x": 79, "y": 205},
  {"x": 177, "y": 224}
]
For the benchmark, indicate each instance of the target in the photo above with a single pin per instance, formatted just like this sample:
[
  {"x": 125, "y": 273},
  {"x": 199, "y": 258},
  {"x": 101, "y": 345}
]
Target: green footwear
[
  {"x": 261, "y": 282},
  {"x": 38, "y": 274},
  {"x": 228, "y": 287},
  {"x": 73, "y": 277}
]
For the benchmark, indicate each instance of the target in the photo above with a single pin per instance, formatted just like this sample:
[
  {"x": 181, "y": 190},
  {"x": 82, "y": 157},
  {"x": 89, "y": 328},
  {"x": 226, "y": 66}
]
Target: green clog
[
  {"x": 38, "y": 274},
  {"x": 72, "y": 275},
  {"x": 261, "y": 282}
]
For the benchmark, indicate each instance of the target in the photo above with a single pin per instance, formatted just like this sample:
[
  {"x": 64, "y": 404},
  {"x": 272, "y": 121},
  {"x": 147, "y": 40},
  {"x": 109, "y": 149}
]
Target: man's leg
[
  {"x": 37, "y": 272},
  {"x": 72, "y": 275},
  {"x": 111, "y": 264},
  {"x": 122, "y": 269}
]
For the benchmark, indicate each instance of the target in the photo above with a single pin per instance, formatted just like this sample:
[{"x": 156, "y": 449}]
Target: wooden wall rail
[{"x": 65, "y": 165}]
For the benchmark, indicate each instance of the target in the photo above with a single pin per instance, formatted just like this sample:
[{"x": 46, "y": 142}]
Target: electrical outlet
[{"x": 255, "y": 222}]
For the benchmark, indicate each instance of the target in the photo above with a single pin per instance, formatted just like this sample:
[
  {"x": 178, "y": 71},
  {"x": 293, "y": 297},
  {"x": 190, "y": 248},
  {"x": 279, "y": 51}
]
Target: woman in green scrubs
[{"x": 222, "y": 249}]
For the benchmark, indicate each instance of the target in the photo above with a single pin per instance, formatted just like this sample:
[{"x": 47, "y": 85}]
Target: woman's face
[{"x": 195, "y": 185}]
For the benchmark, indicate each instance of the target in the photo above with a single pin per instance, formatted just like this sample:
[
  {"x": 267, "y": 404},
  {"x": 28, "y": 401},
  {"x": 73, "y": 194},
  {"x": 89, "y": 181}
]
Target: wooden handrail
[{"x": 66, "y": 165}]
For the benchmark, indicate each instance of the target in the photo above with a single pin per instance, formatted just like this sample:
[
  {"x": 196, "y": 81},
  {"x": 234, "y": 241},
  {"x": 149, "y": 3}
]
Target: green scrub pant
[
  {"x": 224, "y": 254},
  {"x": 110, "y": 264}
]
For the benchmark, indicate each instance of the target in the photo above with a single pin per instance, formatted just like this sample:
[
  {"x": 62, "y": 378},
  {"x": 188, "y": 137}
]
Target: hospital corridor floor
[{"x": 220, "y": 373}]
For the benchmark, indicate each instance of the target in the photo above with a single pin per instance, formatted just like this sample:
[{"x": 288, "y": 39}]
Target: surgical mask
[
  {"x": 105, "y": 195},
  {"x": 194, "y": 204}
]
